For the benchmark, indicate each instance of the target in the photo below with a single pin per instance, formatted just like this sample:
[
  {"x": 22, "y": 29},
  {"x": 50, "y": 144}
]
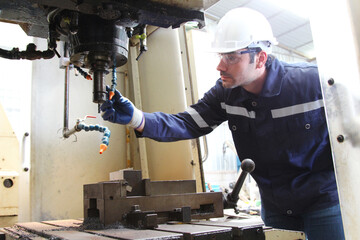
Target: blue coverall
[{"x": 283, "y": 130}]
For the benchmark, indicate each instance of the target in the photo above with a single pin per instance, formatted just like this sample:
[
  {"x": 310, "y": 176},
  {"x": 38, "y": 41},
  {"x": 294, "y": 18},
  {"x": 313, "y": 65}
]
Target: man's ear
[{"x": 261, "y": 59}]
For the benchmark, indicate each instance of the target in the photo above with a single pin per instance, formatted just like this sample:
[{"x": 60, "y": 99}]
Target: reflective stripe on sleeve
[
  {"x": 196, "y": 117},
  {"x": 296, "y": 109},
  {"x": 234, "y": 110}
]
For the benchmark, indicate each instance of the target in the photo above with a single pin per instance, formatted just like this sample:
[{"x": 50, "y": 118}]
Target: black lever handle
[{"x": 230, "y": 200}]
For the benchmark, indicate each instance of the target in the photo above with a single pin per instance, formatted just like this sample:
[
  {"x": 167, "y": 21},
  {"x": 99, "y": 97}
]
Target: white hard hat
[{"x": 241, "y": 28}]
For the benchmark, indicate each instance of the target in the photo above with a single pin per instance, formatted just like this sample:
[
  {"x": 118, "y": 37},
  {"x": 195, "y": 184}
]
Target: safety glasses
[{"x": 234, "y": 57}]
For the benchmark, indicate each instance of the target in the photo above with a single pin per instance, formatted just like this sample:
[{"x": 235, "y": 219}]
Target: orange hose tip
[
  {"x": 88, "y": 77},
  {"x": 111, "y": 94},
  {"x": 103, "y": 147}
]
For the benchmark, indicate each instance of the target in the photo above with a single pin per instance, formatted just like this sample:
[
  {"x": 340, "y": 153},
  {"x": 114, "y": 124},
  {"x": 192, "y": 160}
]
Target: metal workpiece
[
  {"x": 169, "y": 187},
  {"x": 246, "y": 228},
  {"x": 113, "y": 202},
  {"x": 134, "y": 234},
  {"x": 146, "y": 187},
  {"x": 198, "y": 232},
  {"x": 252, "y": 228}
]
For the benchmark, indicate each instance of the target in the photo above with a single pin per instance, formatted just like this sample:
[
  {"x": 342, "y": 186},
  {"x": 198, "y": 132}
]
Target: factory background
[{"x": 52, "y": 170}]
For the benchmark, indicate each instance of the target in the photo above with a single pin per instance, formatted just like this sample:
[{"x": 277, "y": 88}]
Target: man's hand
[{"x": 121, "y": 110}]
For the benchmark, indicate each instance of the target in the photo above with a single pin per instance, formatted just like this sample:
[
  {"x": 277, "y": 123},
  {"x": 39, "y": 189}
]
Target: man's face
[{"x": 235, "y": 69}]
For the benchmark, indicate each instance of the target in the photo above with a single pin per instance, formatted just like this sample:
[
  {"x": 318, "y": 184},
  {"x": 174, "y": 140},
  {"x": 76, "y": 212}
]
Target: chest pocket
[
  {"x": 299, "y": 133},
  {"x": 306, "y": 122}
]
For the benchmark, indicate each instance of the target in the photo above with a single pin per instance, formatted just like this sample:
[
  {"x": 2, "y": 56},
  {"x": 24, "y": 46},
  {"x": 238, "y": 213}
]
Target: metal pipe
[
  {"x": 201, "y": 166},
  {"x": 128, "y": 149},
  {"x": 66, "y": 132},
  {"x": 70, "y": 132},
  {"x": 30, "y": 54}
]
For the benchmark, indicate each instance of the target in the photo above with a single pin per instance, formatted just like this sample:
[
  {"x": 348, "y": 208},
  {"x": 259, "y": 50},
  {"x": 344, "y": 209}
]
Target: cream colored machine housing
[
  {"x": 336, "y": 34},
  {"x": 61, "y": 167},
  {"x": 9, "y": 172}
]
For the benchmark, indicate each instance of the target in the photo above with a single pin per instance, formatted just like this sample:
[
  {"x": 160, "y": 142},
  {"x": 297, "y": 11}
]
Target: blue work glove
[{"x": 121, "y": 110}]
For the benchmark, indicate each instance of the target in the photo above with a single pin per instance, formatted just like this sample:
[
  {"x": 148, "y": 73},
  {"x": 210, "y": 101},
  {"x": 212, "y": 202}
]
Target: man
[{"x": 276, "y": 115}]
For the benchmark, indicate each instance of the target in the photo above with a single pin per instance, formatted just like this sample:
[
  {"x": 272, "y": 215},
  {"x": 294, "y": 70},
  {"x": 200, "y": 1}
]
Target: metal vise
[{"x": 142, "y": 203}]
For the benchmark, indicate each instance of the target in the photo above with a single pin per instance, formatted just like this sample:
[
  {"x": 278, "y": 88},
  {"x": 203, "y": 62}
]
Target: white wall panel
[{"x": 60, "y": 167}]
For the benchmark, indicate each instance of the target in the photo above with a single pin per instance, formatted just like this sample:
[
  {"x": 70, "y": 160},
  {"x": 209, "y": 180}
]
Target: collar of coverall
[{"x": 274, "y": 79}]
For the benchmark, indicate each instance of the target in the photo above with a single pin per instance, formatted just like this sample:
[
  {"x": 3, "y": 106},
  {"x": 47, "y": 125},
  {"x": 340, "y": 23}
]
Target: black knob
[{"x": 247, "y": 165}]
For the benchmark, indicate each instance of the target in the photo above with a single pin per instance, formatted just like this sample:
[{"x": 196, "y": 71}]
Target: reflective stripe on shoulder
[
  {"x": 235, "y": 110},
  {"x": 295, "y": 109},
  {"x": 196, "y": 117}
]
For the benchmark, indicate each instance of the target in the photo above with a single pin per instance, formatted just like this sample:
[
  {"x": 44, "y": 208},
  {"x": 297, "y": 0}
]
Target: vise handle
[{"x": 230, "y": 199}]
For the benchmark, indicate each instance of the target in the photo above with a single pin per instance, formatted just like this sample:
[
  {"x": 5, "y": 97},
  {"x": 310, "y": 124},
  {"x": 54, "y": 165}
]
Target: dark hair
[{"x": 269, "y": 60}]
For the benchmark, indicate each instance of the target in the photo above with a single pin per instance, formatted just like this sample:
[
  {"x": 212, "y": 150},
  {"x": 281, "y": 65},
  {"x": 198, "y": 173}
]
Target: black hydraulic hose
[
  {"x": 8, "y": 54},
  {"x": 30, "y": 54}
]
